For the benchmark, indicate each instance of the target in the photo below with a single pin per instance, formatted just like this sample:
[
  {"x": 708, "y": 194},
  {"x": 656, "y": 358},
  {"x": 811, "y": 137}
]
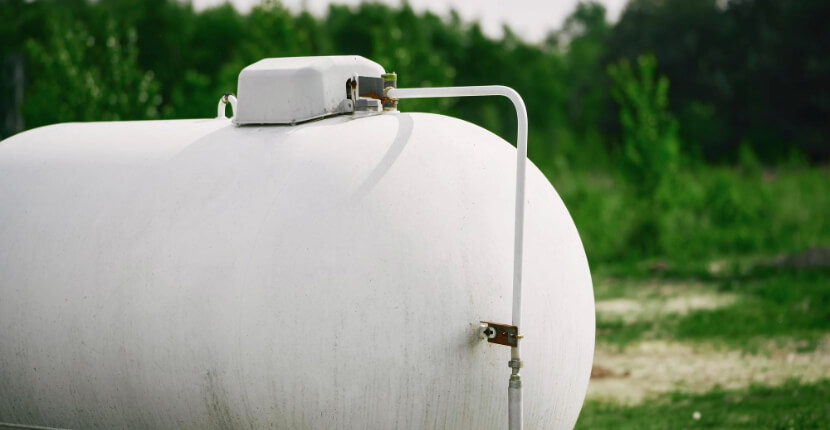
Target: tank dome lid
[{"x": 296, "y": 89}]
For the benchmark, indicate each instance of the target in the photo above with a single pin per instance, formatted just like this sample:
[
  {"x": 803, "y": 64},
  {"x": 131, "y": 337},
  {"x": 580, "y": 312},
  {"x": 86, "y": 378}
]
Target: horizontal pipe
[{"x": 521, "y": 157}]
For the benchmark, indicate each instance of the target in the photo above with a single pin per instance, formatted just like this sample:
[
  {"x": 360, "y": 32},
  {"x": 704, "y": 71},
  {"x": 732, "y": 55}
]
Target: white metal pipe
[
  {"x": 514, "y": 402},
  {"x": 521, "y": 157},
  {"x": 515, "y": 387}
]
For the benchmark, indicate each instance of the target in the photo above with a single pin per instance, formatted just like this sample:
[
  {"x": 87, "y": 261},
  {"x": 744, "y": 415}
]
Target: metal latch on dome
[
  {"x": 367, "y": 92},
  {"x": 501, "y": 334}
]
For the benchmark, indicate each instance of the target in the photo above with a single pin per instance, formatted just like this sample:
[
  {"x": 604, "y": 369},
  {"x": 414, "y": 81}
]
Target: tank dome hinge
[{"x": 502, "y": 334}]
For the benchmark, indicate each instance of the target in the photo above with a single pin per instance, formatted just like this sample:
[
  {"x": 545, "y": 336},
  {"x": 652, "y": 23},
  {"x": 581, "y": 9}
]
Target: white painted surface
[
  {"x": 194, "y": 274},
  {"x": 296, "y": 89}
]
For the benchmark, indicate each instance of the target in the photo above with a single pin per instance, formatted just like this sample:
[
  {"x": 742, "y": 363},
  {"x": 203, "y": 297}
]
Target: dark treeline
[{"x": 743, "y": 73}]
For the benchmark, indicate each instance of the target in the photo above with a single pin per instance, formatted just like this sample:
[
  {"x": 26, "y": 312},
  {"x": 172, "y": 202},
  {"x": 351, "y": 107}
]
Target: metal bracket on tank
[
  {"x": 502, "y": 334},
  {"x": 368, "y": 92}
]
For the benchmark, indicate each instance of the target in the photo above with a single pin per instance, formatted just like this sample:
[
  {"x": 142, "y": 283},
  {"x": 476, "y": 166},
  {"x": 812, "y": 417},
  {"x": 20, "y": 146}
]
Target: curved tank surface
[{"x": 195, "y": 274}]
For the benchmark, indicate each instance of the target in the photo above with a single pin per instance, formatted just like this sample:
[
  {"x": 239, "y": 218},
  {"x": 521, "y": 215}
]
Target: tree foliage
[
  {"x": 650, "y": 149},
  {"x": 751, "y": 72},
  {"x": 742, "y": 71},
  {"x": 85, "y": 83},
  {"x": 649, "y": 132}
]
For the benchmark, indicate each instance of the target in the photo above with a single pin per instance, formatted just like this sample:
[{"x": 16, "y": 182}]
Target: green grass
[
  {"x": 790, "y": 406},
  {"x": 787, "y": 304},
  {"x": 713, "y": 213},
  {"x": 721, "y": 234},
  {"x": 790, "y": 303}
]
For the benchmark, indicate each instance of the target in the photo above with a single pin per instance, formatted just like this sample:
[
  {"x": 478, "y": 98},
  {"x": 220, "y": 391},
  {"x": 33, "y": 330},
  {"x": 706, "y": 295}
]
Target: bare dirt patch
[
  {"x": 648, "y": 309},
  {"x": 647, "y": 369},
  {"x": 650, "y": 301}
]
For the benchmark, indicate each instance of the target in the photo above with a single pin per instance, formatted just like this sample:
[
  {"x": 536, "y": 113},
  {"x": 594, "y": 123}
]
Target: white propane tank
[{"x": 285, "y": 271}]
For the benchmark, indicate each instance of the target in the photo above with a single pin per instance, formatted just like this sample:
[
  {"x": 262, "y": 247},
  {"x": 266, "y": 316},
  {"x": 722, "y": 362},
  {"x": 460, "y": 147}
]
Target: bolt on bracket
[{"x": 502, "y": 334}]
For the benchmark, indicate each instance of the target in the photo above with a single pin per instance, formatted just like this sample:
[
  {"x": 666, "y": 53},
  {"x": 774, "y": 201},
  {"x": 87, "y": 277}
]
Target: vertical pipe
[
  {"x": 514, "y": 400},
  {"x": 514, "y": 391}
]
